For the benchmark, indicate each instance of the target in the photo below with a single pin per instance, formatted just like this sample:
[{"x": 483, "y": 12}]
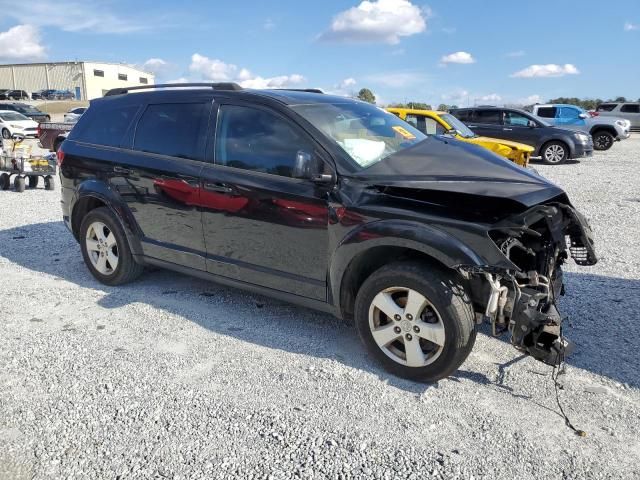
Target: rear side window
[
  {"x": 630, "y": 108},
  {"x": 606, "y": 107},
  {"x": 547, "y": 112},
  {"x": 258, "y": 140},
  {"x": 173, "y": 129},
  {"x": 106, "y": 126},
  {"x": 491, "y": 117}
]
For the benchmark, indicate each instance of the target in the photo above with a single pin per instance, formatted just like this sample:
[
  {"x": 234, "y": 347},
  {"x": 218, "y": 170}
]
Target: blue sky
[{"x": 440, "y": 52}]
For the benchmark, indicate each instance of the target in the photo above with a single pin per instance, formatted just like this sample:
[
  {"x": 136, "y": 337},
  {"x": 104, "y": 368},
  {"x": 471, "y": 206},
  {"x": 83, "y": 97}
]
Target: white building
[{"x": 86, "y": 80}]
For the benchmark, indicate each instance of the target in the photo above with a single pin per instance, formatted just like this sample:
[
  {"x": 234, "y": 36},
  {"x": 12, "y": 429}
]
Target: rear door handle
[
  {"x": 122, "y": 170},
  {"x": 217, "y": 187}
]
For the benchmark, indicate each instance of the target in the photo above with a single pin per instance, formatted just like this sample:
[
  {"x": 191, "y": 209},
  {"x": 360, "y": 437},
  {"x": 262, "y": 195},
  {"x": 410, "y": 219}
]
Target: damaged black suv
[{"x": 330, "y": 203}]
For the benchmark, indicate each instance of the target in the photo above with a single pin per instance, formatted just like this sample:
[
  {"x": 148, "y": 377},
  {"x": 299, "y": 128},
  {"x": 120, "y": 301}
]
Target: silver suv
[
  {"x": 628, "y": 110},
  {"x": 604, "y": 130}
]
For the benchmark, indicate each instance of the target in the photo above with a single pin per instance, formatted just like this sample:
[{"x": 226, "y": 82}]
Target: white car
[
  {"x": 14, "y": 122},
  {"x": 72, "y": 116}
]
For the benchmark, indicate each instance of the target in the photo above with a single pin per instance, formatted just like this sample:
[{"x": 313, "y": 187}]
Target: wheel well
[
  {"x": 610, "y": 130},
  {"x": 367, "y": 262},
  {"x": 80, "y": 210}
]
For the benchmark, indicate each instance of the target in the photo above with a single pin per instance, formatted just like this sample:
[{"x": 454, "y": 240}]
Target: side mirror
[
  {"x": 583, "y": 115},
  {"x": 308, "y": 167},
  {"x": 532, "y": 124},
  {"x": 453, "y": 132},
  {"x": 17, "y": 137}
]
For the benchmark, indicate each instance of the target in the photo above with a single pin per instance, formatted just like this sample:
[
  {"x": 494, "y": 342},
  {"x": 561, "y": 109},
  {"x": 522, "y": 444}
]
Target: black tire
[
  {"x": 555, "y": 153},
  {"x": 6, "y": 134},
  {"x": 127, "y": 269},
  {"x": 33, "y": 181},
  {"x": 603, "y": 140},
  {"x": 49, "y": 183},
  {"x": 447, "y": 296},
  {"x": 19, "y": 184},
  {"x": 5, "y": 181}
]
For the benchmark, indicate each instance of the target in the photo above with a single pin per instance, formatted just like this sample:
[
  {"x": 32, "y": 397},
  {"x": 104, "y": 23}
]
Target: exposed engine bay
[{"x": 522, "y": 300}]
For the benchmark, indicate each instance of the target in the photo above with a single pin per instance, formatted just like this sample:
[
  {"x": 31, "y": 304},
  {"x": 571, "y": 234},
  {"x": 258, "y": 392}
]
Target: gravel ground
[{"x": 173, "y": 377}]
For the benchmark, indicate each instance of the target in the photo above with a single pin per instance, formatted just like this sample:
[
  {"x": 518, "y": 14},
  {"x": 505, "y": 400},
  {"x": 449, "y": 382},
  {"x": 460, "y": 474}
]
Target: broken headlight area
[{"x": 522, "y": 300}]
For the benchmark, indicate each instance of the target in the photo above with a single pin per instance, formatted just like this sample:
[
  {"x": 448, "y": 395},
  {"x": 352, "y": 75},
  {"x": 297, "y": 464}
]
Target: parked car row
[
  {"x": 337, "y": 205},
  {"x": 6, "y": 94}
]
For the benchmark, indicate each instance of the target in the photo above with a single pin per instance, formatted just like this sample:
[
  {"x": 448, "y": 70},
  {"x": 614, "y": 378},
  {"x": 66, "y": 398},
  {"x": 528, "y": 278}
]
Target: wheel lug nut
[
  {"x": 409, "y": 316},
  {"x": 397, "y": 317},
  {"x": 409, "y": 336},
  {"x": 416, "y": 329},
  {"x": 397, "y": 330}
]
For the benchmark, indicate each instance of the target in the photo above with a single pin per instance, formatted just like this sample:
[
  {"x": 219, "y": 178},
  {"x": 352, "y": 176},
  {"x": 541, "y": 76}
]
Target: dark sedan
[{"x": 27, "y": 110}]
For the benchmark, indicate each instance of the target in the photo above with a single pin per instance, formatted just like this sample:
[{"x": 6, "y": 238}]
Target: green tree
[
  {"x": 443, "y": 108},
  {"x": 366, "y": 95}
]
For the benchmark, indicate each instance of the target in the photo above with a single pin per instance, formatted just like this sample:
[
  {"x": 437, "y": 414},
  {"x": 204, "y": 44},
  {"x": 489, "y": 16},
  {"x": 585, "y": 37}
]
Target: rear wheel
[
  {"x": 6, "y": 134},
  {"x": 49, "y": 183},
  {"x": 19, "y": 184},
  {"x": 555, "y": 153},
  {"x": 106, "y": 250},
  {"x": 33, "y": 181},
  {"x": 416, "y": 320},
  {"x": 603, "y": 140}
]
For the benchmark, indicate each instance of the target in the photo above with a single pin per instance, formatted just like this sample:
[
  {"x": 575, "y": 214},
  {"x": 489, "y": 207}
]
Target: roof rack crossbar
[
  {"x": 310, "y": 90},
  {"x": 214, "y": 86}
]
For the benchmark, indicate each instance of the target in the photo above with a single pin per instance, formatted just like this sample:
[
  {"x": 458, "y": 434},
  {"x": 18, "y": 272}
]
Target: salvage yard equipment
[{"x": 16, "y": 159}]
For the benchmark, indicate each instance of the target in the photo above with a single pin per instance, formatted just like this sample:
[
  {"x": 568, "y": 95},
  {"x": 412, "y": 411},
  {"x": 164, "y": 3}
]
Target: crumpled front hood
[
  {"x": 449, "y": 165},
  {"x": 509, "y": 143}
]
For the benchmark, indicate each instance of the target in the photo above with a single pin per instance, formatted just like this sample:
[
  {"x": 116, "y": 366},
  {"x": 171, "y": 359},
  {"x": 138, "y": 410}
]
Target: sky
[{"x": 463, "y": 52}]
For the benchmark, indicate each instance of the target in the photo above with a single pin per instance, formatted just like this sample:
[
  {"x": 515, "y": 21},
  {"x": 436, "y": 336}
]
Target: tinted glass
[
  {"x": 491, "y": 117},
  {"x": 547, "y": 112},
  {"x": 630, "y": 108},
  {"x": 463, "y": 115},
  {"x": 105, "y": 126},
  {"x": 569, "y": 112},
  {"x": 258, "y": 140},
  {"x": 174, "y": 129},
  {"x": 515, "y": 119},
  {"x": 456, "y": 124},
  {"x": 606, "y": 107},
  {"x": 367, "y": 134}
]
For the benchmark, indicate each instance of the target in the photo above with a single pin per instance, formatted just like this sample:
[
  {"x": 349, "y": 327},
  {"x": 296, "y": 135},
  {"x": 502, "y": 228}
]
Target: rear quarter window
[
  {"x": 491, "y": 117},
  {"x": 547, "y": 112},
  {"x": 630, "y": 108},
  {"x": 606, "y": 107},
  {"x": 105, "y": 126},
  {"x": 462, "y": 115}
]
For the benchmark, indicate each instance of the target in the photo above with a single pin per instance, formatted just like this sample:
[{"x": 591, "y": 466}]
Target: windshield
[
  {"x": 12, "y": 116},
  {"x": 456, "y": 124},
  {"x": 28, "y": 109},
  {"x": 366, "y": 133}
]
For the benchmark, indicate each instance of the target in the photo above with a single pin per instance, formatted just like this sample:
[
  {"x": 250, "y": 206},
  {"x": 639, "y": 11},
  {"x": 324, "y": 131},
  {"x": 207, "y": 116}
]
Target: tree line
[{"x": 366, "y": 95}]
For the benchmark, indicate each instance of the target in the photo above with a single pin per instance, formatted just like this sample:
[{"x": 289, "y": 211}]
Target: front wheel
[
  {"x": 416, "y": 320},
  {"x": 603, "y": 140},
  {"x": 6, "y": 134},
  {"x": 555, "y": 153}
]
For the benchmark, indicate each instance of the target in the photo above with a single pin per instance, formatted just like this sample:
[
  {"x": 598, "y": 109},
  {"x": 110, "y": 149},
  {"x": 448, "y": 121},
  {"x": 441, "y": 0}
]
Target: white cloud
[
  {"x": 396, "y": 79},
  {"x": 21, "y": 42},
  {"x": 458, "y": 57},
  {"x": 549, "y": 70},
  {"x": 269, "y": 24},
  {"x": 531, "y": 99},
  {"x": 346, "y": 83},
  {"x": 491, "y": 98},
  {"x": 218, "y": 71},
  {"x": 458, "y": 97},
  {"x": 378, "y": 21},
  {"x": 517, "y": 53},
  {"x": 449, "y": 30},
  {"x": 155, "y": 66},
  {"x": 74, "y": 16},
  {"x": 628, "y": 27},
  {"x": 179, "y": 80}
]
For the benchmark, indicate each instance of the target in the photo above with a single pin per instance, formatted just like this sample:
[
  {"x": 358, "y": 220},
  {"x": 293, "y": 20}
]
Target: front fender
[
  {"x": 431, "y": 241},
  {"x": 99, "y": 190}
]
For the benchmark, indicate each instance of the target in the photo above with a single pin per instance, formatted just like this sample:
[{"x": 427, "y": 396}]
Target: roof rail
[
  {"x": 310, "y": 90},
  {"x": 215, "y": 86}
]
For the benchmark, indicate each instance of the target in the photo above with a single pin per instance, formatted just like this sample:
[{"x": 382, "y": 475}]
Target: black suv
[
  {"x": 27, "y": 110},
  {"x": 327, "y": 202},
  {"x": 554, "y": 145}
]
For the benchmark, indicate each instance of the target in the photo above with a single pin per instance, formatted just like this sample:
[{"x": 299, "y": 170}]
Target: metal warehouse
[{"x": 86, "y": 80}]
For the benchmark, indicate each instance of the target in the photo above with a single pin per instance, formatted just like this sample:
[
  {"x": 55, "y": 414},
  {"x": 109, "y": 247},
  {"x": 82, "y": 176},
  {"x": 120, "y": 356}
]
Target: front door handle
[
  {"x": 121, "y": 170},
  {"x": 508, "y": 129},
  {"x": 217, "y": 187}
]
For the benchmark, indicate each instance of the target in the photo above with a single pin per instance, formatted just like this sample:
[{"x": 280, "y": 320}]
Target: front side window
[
  {"x": 106, "y": 127},
  {"x": 457, "y": 125},
  {"x": 569, "y": 113},
  {"x": 489, "y": 117},
  {"x": 426, "y": 125},
  {"x": 173, "y": 129},
  {"x": 630, "y": 108},
  {"x": 366, "y": 133},
  {"x": 258, "y": 140},
  {"x": 515, "y": 119}
]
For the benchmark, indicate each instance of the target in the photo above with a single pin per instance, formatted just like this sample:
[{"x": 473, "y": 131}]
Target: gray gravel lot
[{"x": 174, "y": 377}]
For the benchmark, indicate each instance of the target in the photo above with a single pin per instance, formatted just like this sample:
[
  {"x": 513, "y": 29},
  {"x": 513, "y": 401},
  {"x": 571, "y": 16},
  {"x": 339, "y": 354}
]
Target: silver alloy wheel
[
  {"x": 102, "y": 248},
  {"x": 406, "y": 327},
  {"x": 554, "y": 153}
]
